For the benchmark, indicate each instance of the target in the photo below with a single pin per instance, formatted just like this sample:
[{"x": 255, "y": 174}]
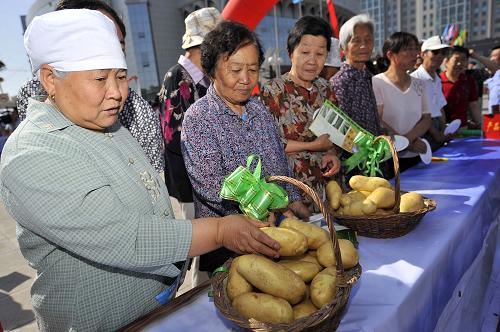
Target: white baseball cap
[
  {"x": 73, "y": 40},
  {"x": 433, "y": 43},
  {"x": 333, "y": 58}
]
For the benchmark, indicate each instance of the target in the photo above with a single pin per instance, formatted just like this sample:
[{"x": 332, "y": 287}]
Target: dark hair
[
  {"x": 308, "y": 25},
  {"x": 495, "y": 47},
  {"x": 93, "y": 5},
  {"x": 225, "y": 40},
  {"x": 457, "y": 50},
  {"x": 395, "y": 43}
]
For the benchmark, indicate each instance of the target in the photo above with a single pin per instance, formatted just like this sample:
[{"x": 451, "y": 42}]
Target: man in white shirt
[{"x": 432, "y": 54}]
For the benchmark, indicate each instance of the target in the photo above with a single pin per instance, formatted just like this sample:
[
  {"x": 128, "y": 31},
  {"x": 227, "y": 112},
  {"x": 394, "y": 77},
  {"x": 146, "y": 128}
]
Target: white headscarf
[{"x": 73, "y": 40}]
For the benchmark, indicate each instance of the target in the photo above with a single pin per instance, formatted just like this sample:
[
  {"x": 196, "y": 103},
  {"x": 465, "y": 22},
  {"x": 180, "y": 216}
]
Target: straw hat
[{"x": 198, "y": 24}]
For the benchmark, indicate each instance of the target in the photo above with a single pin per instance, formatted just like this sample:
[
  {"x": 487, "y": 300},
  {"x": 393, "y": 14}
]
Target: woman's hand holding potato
[{"x": 242, "y": 235}]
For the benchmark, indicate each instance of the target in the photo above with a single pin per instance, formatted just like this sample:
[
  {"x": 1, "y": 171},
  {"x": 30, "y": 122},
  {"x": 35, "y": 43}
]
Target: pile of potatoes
[
  {"x": 369, "y": 196},
  {"x": 301, "y": 282}
]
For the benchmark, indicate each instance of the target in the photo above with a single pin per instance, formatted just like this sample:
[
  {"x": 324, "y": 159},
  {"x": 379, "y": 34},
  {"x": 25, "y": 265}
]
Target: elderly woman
[
  {"x": 93, "y": 216},
  {"x": 227, "y": 125},
  {"x": 352, "y": 84},
  {"x": 293, "y": 98},
  {"x": 137, "y": 115},
  {"x": 402, "y": 100}
]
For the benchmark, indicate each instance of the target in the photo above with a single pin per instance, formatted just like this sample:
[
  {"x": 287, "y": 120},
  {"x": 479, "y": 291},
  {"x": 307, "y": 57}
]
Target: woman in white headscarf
[{"x": 93, "y": 216}]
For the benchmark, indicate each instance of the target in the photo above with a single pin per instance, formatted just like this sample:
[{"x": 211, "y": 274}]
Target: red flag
[
  {"x": 333, "y": 18},
  {"x": 249, "y": 13}
]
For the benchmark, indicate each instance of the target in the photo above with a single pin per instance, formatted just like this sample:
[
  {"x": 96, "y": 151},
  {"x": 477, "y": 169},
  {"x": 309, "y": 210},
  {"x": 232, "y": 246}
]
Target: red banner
[
  {"x": 246, "y": 12},
  {"x": 333, "y": 18},
  {"x": 491, "y": 126}
]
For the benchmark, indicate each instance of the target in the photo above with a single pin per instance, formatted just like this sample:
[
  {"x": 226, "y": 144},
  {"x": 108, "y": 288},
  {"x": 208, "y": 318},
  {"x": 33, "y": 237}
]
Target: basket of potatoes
[
  {"x": 305, "y": 290},
  {"x": 374, "y": 208}
]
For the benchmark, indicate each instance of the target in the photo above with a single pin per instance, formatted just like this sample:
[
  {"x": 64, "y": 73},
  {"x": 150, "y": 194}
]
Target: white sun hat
[{"x": 73, "y": 40}]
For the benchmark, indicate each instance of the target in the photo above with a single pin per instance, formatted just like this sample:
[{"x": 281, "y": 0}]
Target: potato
[
  {"x": 383, "y": 198},
  {"x": 350, "y": 197},
  {"x": 365, "y": 183},
  {"x": 411, "y": 202},
  {"x": 263, "y": 307},
  {"x": 315, "y": 235},
  {"x": 348, "y": 253},
  {"x": 236, "y": 284},
  {"x": 303, "y": 309},
  {"x": 305, "y": 270},
  {"x": 307, "y": 257},
  {"x": 359, "y": 208},
  {"x": 325, "y": 255},
  {"x": 323, "y": 288},
  {"x": 272, "y": 278},
  {"x": 333, "y": 192},
  {"x": 312, "y": 253},
  {"x": 292, "y": 242},
  {"x": 365, "y": 193}
]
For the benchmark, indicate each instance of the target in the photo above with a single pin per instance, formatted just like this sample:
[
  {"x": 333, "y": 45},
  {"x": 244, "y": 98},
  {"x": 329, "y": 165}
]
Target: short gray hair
[
  {"x": 347, "y": 29},
  {"x": 57, "y": 73}
]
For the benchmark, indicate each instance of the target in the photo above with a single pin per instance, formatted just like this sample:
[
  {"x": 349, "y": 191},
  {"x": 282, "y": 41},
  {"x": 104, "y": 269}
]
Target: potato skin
[
  {"x": 359, "y": 208},
  {"x": 236, "y": 284},
  {"x": 315, "y": 235},
  {"x": 292, "y": 242},
  {"x": 325, "y": 255},
  {"x": 303, "y": 309},
  {"x": 263, "y": 307},
  {"x": 366, "y": 183},
  {"x": 306, "y": 270},
  {"x": 333, "y": 192},
  {"x": 348, "y": 253},
  {"x": 383, "y": 198},
  {"x": 272, "y": 278},
  {"x": 323, "y": 288},
  {"x": 411, "y": 202}
]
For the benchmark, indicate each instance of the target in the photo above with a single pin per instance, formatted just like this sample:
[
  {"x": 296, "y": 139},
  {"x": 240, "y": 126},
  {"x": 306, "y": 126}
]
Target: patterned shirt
[
  {"x": 215, "y": 141},
  {"x": 353, "y": 88},
  {"x": 293, "y": 107},
  {"x": 183, "y": 85},
  {"x": 137, "y": 116},
  {"x": 93, "y": 218}
]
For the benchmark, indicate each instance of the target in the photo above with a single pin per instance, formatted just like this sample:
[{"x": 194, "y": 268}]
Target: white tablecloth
[{"x": 409, "y": 281}]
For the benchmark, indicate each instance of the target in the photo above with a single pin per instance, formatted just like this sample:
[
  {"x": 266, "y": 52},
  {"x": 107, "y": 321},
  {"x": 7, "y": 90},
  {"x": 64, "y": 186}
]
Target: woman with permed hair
[
  {"x": 293, "y": 98},
  {"x": 227, "y": 125}
]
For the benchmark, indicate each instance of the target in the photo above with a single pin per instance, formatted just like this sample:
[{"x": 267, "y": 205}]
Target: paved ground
[{"x": 15, "y": 280}]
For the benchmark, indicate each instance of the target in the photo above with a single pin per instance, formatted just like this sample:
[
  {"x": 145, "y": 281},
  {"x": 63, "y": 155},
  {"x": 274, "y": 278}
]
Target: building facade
[
  {"x": 155, "y": 29},
  {"x": 425, "y": 18}
]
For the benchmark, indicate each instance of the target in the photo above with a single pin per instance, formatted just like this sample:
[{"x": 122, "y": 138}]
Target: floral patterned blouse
[
  {"x": 293, "y": 107},
  {"x": 178, "y": 93}
]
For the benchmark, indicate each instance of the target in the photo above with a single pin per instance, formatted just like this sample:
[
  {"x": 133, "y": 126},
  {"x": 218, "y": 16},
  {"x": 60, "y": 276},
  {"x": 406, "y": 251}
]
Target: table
[{"x": 408, "y": 283}]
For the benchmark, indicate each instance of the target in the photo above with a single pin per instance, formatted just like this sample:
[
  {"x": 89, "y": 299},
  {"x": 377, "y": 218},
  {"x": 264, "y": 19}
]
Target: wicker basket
[
  {"x": 390, "y": 225},
  {"x": 325, "y": 319}
]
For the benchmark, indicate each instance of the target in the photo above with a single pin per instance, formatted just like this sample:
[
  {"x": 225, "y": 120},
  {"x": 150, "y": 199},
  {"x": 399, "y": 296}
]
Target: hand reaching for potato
[{"x": 242, "y": 235}]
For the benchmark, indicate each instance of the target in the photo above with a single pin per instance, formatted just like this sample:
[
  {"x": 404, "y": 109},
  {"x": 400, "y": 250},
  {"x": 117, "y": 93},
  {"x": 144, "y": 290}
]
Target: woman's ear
[{"x": 47, "y": 78}]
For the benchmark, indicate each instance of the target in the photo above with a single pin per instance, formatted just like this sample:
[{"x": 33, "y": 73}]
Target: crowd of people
[{"x": 91, "y": 173}]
